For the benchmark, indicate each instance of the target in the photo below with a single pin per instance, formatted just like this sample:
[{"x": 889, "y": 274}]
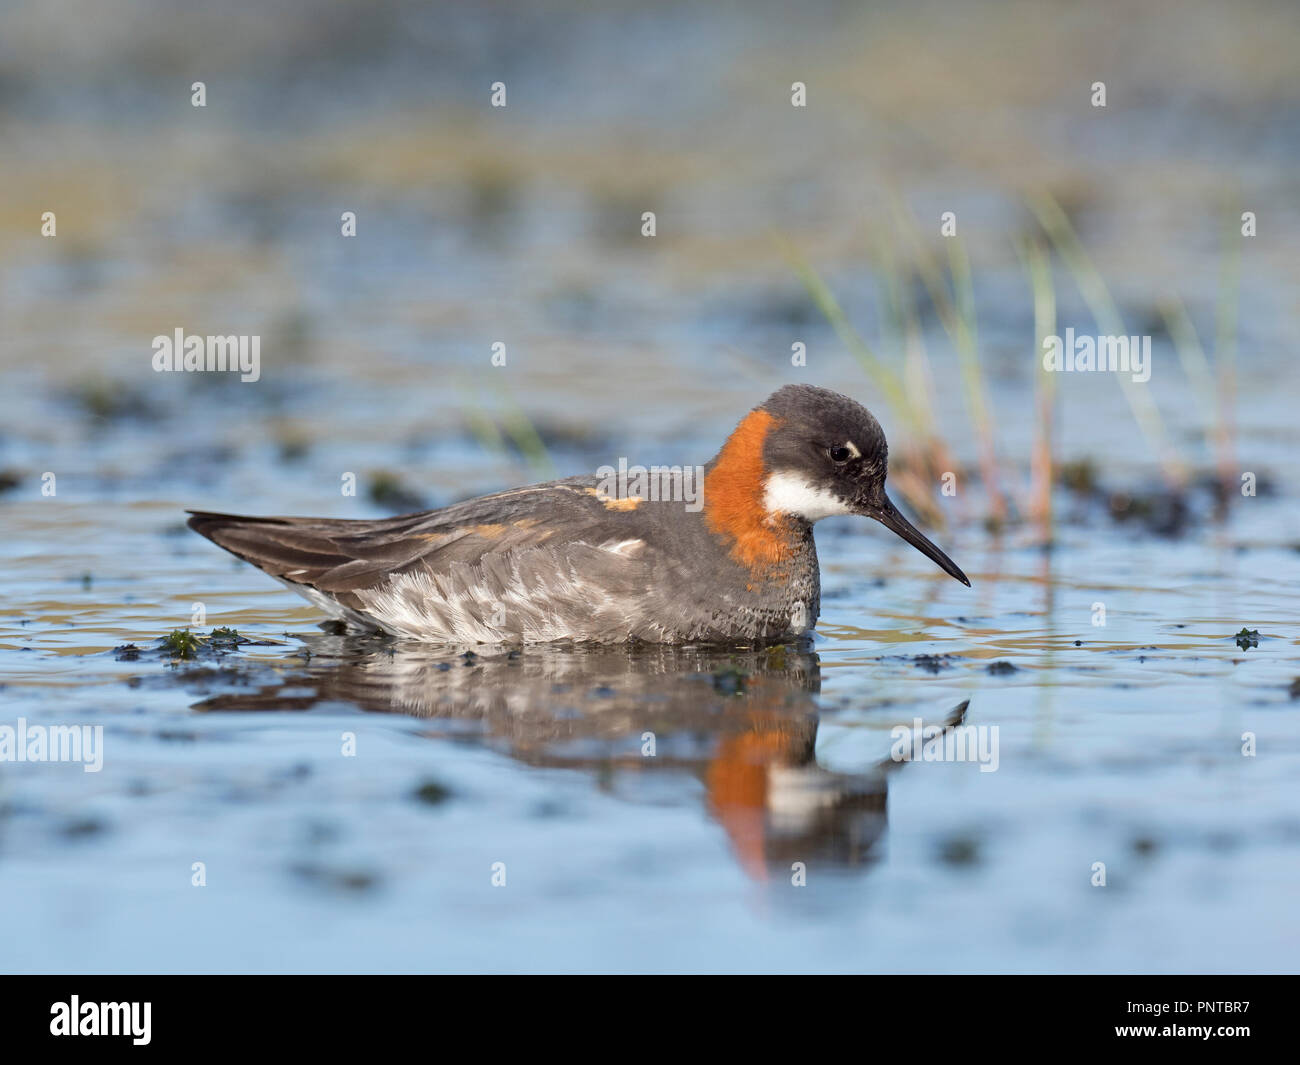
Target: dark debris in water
[
  {"x": 83, "y": 828},
  {"x": 227, "y": 637},
  {"x": 928, "y": 663},
  {"x": 292, "y": 443},
  {"x": 932, "y": 663},
  {"x": 1145, "y": 846},
  {"x": 1247, "y": 638},
  {"x": 1163, "y": 510},
  {"x": 548, "y": 809},
  {"x": 173, "y": 735},
  {"x": 103, "y": 402},
  {"x": 573, "y": 436},
  {"x": 1001, "y": 668},
  {"x": 959, "y": 850},
  {"x": 1165, "y": 513},
  {"x": 348, "y": 881},
  {"x": 432, "y": 793},
  {"x": 1079, "y": 476},
  {"x": 388, "y": 490}
]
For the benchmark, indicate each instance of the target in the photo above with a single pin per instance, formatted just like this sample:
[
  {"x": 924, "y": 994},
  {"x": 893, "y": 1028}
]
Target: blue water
[{"x": 350, "y": 801}]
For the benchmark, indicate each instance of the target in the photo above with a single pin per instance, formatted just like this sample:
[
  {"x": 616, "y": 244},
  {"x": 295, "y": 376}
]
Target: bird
[{"x": 572, "y": 561}]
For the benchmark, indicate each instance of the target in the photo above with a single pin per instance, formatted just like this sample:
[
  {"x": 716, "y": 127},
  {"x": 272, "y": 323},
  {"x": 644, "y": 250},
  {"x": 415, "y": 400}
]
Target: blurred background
[
  {"x": 522, "y": 224},
  {"x": 775, "y": 226}
]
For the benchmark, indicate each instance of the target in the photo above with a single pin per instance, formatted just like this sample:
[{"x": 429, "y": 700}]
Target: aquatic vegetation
[
  {"x": 1096, "y": 294},
  {"x": 1039, "y": 268},
  {"x": 956, "y": 311},
  {"x": 508, "y": 431},
  {"x": 182, "y": 643},
  {"x": 186, "y": 644},
  {"x": 923, "y": 463}
]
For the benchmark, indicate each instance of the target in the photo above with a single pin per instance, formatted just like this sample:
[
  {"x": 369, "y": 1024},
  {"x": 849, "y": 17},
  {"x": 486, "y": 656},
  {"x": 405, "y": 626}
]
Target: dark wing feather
[{"x": 338, "y": 556}]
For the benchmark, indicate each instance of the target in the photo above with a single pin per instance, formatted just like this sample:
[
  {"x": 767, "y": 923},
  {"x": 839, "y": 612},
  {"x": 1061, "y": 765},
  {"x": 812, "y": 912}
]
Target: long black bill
[{"x": 888, "y": 515}]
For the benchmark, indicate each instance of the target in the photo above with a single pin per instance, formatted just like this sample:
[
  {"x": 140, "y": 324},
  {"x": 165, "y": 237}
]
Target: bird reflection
[{"x": 743, "y": 722}]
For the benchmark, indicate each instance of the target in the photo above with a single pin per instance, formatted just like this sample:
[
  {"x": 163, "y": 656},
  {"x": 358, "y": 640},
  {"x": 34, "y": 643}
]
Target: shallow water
[
  {"x": 350, "y": 797},
  {"x": 1120, "y": 744}
]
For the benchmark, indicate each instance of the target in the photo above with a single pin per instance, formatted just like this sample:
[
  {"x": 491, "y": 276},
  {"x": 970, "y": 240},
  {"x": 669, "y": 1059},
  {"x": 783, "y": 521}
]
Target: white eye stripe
[{"x": 853, "y": 448}]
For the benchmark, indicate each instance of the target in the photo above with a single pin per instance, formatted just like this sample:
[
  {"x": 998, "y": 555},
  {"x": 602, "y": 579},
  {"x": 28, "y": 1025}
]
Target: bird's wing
[{"x": 341, "y": 556}]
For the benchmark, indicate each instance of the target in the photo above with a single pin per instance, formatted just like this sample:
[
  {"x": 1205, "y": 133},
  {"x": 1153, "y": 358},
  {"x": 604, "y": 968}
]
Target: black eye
[{"x": 840, "y": 454}]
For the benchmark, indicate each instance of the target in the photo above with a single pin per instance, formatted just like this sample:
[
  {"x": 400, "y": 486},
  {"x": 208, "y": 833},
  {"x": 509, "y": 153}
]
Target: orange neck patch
[
  {"x": 733, "y": 498},
  {"x": 737, "y": 780}
]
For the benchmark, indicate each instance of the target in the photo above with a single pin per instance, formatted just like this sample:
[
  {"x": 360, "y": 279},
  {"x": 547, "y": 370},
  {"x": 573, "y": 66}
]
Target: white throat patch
[{"x": 790, "y": 493}]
